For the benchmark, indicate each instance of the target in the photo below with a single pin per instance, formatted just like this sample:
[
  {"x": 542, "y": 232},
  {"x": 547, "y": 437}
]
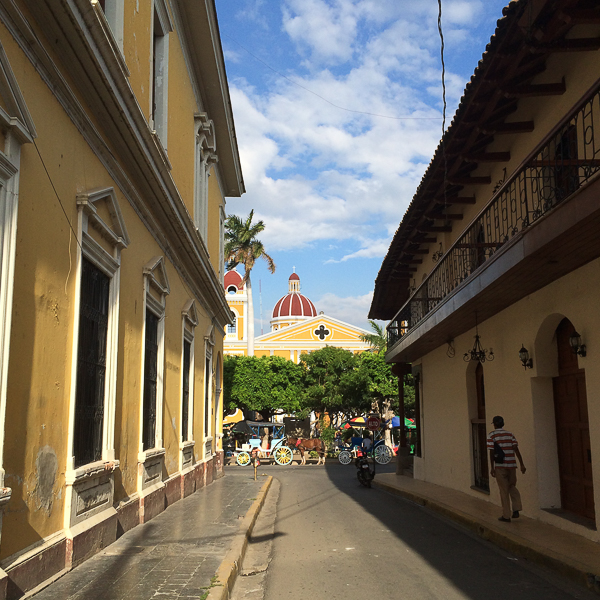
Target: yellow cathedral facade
[{"x": 296, "y": 326}]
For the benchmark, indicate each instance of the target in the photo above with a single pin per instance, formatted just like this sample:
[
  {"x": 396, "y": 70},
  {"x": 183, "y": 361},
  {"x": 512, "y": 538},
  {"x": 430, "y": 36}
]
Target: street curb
[
  {"x": 543, "y": 556},
  {"x": 230, "y": 566}
]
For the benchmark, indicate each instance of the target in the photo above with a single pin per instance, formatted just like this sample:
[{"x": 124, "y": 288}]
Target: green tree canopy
[
  {"x": 334, "y": 383},
  {"x": 268, "y": 384}
]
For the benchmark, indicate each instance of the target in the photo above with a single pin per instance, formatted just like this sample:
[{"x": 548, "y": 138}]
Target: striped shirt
[{"x": 507, "y": 441}]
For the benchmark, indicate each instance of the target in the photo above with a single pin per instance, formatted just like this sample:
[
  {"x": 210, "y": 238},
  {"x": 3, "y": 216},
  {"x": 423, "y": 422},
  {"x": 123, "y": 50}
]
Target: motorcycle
[{"x": 363, "y": 469}]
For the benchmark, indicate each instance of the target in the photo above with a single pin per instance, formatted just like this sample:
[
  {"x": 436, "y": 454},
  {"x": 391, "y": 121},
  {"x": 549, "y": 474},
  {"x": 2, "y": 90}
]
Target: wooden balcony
[{"x": 543, "y": 223}]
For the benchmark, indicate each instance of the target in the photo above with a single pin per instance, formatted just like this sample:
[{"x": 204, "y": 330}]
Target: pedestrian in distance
[{"x": 504, "y": 452}]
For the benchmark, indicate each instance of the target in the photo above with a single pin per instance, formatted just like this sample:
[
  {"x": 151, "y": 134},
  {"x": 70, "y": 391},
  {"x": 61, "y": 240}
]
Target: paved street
[
  {"x": 174, "y": 556},
  {"x": 334, "y": 539}
]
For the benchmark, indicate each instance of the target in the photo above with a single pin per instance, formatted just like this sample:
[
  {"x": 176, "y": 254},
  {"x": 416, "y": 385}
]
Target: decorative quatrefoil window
[{"x": 321, "y": 332}]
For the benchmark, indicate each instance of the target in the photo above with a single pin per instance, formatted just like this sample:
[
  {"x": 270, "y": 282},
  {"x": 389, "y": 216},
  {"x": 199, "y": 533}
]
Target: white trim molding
[
  {"x": 87, "y": 483},
  {"x": 156, "y": 289},
  {"x": 189, "y": 322},
  {"x": 205, "y": 157},
  {"x": 162, "y": 25}
]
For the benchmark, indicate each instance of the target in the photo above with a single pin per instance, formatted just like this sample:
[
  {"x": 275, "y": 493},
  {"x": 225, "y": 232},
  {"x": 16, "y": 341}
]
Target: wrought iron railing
[{"x": 568, "y": 159}]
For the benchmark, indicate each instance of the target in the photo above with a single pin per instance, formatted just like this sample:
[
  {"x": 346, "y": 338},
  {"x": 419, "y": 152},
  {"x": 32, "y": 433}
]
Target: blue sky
[{"x": 337, "y": 107}]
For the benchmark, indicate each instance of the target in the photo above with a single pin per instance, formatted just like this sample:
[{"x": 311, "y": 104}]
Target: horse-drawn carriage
[
  {"x": 267, "y": 440},
  {"x": 381, "y": 453}
]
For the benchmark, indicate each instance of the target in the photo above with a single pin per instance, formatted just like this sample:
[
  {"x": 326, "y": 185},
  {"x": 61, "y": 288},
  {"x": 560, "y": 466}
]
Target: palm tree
[
  {"x": 242, "y": 248},
  {"x": 377, "y": 339}
]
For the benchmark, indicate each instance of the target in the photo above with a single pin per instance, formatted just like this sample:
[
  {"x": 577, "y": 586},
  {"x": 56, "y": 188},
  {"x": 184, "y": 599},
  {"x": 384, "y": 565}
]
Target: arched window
[{"x": 232, "y": 328}]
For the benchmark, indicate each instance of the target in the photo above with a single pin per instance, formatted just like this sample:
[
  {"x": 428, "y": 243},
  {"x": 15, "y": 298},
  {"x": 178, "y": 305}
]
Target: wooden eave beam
[
  {"x": 571, "y": 45},
  {"x": 459, "y": 199},
  {"x": 577, "y": 16},
  {"x": 535, "y": 89},
  {"x": 481, "y": 180},
  {"x": 435, "y": 228},
  {"x": 507, "y": 128},
  {"x": 487, "y": 157}
]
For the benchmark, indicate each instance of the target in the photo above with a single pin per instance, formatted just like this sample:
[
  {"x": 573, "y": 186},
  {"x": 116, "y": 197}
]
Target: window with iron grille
[
  {"x": 150, "y": 381},
  {"x": 91, "y": 365},
  {"x": 207, "y": 398},
  {"x": 185, "y": 395}
]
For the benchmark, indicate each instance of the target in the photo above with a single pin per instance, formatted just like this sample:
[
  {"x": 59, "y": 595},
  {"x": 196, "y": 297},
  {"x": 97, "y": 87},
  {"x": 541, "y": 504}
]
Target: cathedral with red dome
[{"x": 296, "y": 326}]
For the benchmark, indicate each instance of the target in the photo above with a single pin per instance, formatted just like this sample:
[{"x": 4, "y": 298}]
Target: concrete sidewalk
[
  {"x": 566, "y": 553},
  {"x": 185, "y": 552}
]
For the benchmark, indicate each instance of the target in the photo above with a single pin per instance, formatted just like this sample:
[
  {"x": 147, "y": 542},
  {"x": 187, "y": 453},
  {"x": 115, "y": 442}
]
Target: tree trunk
[{"x": 250, "y": 317}]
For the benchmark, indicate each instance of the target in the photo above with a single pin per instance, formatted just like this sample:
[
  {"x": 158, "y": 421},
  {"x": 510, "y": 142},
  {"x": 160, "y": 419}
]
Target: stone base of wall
[
  {"x": 89, "y": 537},
  {"x": 33, "y": 567},
  {"x": 41, "y": 564},
  {"x": 128, "y": 515},
  {"x": 152, "y": 503}
]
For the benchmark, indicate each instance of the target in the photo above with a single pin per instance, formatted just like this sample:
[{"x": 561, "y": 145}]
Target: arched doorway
[
  {"x": 572, "y": 428},
  {"x": 479, "y": 434}
]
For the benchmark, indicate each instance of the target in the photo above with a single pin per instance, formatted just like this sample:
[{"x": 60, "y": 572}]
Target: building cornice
[{"x": 140, "y": 170}]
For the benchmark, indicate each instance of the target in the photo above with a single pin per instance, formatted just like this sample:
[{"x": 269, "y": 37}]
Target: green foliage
[
  {"x": 241, "y": 245},
  {"x": 377, "y": 339},
  {"x": 409, "y": 397},
  {"x": 334, "y": 383},
  {"x": 327, "y": 433},
  {"x": 267, "y": 384},
  {"x": 383, "y": 384}
]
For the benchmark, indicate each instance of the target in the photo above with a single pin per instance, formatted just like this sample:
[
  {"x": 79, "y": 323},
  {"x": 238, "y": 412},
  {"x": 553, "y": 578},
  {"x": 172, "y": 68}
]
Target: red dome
[
  {"x": 294, "y": 277},
  {"x": 294, "y": 305},
  {"x": 232, "y": 278}
]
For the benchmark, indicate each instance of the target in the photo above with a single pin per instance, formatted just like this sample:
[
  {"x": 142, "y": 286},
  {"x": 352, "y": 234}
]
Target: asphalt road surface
[{"x": 333, "y": 539}]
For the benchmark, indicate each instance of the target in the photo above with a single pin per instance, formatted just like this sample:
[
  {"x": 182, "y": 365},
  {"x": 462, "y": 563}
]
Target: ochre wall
[
  {"x": 39, "y": 378},
  {"x": 523, "y": 397}
]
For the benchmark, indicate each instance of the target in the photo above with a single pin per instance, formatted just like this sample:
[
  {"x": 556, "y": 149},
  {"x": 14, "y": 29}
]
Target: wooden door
[{"x": 572, "y": 429}]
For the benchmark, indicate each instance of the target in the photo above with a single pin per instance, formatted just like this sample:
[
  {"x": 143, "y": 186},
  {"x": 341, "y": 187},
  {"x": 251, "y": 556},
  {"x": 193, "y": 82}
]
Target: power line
[
  {"x": 359, "y": 112},
  {"x": 443, "y": 100},
  {"x": 57, "y": 196}
]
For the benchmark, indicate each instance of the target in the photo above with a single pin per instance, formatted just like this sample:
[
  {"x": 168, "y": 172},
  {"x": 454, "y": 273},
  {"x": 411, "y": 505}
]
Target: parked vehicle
[
  {"x": 251, "y": 432},
  {"x": 363, "y": 469}
]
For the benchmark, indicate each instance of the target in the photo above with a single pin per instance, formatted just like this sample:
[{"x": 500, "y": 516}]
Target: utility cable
[
  {"x": 358, "y": 112},
  {"x": 57, "y": 196},
  {"x": 444, "y": 103}
]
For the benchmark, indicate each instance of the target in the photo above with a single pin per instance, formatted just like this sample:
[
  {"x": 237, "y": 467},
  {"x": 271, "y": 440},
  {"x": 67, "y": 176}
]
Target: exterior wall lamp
[
  {"x": 524, "y": 356},
  {"x": 576, "y": 345}
]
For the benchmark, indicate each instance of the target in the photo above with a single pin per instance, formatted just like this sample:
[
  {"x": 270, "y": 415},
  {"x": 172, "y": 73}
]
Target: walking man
[{"x": 504, "y": 452}]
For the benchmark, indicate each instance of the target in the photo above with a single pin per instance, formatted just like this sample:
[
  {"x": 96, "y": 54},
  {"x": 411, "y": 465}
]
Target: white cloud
[
  {"x": 316, "y": 172},
  {"x": 351, "y": 309},
  {"x": 370, "y": 249}
]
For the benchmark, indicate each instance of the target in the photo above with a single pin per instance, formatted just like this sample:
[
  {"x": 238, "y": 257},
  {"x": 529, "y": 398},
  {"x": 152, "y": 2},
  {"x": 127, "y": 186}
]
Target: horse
[{"x": 303, "y": 445}]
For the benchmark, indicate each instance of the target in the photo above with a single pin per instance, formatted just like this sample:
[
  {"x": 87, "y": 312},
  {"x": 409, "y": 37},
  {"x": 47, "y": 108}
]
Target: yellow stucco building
[
  {"x": 295, "y": 325},
  {"x": 500, "y": 247},
  {"x": 117, "y": 150}
]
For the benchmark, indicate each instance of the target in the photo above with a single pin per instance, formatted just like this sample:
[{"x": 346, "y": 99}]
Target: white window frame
[
  {"x": 116, "y": 235},
  {"x": 156, "y": 283},
  {"x": 162, "y": 25},
  {"x": 189, "y": 324},
  {"x": 205, "y": 157},
  {"x": 222, "y": 218},
  {"x": 209, "y": 344},
  {"x": 233, "y": 334}
]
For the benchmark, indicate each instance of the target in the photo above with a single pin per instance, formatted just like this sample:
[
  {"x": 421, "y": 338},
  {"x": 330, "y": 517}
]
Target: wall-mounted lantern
[
  {"x": 524, "y": 356},
  {"x": 576, "y": 345}
]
